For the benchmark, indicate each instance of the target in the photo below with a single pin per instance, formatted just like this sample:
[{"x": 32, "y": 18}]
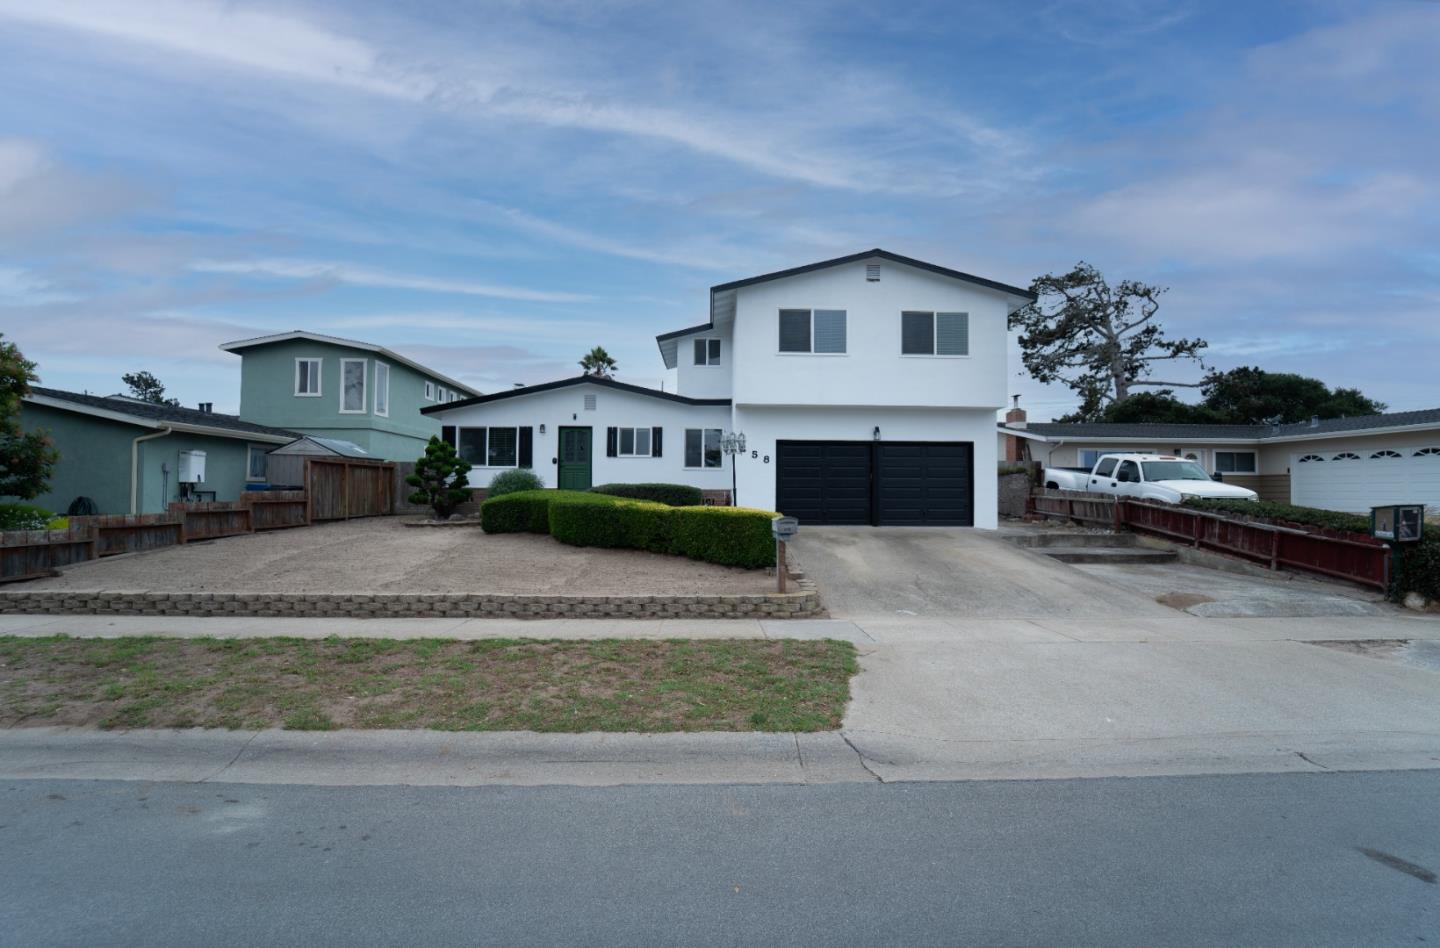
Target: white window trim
[
  {"x": 319, "y": 377},
  {"x": 378, "y": 388},
  {"x": 703, "y": 466},
  {"x": 488, "y": 429},
  {"x": 364, "y": 408},
  {"x": 1215, "y": 461},
  {"x": 812, "y": 353},
  {"x": 429, "y": 391},
  {"x": 720, "y": 359},
  {"x": 934, "y": 335},
  {"x": 249, "y": 450},
  {"x": 650, "y": 452}
]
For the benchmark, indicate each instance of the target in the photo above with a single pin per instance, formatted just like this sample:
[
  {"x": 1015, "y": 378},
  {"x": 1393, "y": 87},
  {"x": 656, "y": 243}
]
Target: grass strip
[{"x": 441, "y": 684}]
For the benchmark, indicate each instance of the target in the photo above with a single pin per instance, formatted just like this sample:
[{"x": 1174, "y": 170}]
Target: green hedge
[
  {"x": 733, "y": 536},
  {"x": 1272, "y": 510},
  {"x": 671, "y": 495},
  {"x": 729, "y": 536},
  {"x": 1417, "y": 566},
  {"x": 526, "y": 511},
  {"x": 24, "y": 517},
  {"x": 599, "y": 520}
]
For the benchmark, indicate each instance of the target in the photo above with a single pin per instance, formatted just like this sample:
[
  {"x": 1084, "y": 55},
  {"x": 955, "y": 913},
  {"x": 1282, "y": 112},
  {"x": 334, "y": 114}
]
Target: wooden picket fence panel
[
  {"x": 344, "y": 488},
  {"x": 132, "y": 533},
  {"x": 211, "y": 520},
  {"x": 276, "y": 509},
  {"x": 30, "y": 554}
]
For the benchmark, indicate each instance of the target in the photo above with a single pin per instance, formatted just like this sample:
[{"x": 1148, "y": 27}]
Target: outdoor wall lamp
[
  {"x": 877, "y": 432},
  {"x": 542, "y": 429}
]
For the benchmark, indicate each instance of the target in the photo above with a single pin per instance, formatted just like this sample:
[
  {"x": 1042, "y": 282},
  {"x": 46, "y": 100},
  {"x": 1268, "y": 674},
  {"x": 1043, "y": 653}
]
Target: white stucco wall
[
  {"x": 765, "y": 426},
  {"x": 565, "y": 407},
  {"x": 704, "y": 381},
  {"x": 872, "y": 372}
]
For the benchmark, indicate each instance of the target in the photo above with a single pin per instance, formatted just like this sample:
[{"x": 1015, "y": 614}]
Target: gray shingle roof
[
  {"x": 162, "y": 413},
  {"x": 1165, "y": 432}
]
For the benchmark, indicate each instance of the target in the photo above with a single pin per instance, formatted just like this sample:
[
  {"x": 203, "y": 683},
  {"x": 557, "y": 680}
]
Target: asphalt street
[{"x": 1277, "y": 859}]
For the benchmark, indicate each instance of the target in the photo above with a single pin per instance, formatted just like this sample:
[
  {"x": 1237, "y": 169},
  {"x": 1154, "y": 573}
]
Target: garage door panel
[
  {"x": 823, "y": 481},
  {"x": 1332, "y": 482},
  {"x": 925, "y": 483}
]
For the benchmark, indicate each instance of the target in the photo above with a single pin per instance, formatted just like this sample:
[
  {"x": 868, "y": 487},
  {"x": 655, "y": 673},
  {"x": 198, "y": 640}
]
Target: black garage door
[{"x": 887, "y": 483}]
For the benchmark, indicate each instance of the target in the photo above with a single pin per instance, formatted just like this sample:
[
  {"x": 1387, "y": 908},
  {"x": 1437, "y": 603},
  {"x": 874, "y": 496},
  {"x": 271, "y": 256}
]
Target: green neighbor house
[
  {"x": 328, "y": 387},
  {"x": 129, "y": 455}
]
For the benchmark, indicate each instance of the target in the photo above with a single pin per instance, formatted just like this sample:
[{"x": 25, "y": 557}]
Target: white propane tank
[{"x": 192, "y": 467}]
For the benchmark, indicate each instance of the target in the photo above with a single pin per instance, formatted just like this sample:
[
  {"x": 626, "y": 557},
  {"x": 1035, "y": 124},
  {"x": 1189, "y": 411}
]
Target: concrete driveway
[{"x": 940, "y": 572}]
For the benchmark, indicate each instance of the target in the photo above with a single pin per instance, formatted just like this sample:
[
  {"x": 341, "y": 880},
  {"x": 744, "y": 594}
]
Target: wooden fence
[
  {"x": 344, "y": 488},
  {"x": 28, "y": 554},
  {"x": 1357, "y": 558},
  {"x": 35, "y": 553}
]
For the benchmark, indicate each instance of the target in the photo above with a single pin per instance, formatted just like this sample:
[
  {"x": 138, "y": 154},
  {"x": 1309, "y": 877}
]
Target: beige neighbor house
[{"x": 1349, "y": 464}]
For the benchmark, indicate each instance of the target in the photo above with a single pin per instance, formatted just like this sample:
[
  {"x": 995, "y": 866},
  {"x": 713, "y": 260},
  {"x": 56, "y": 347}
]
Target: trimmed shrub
[
  {"x": 522, "y": 512},
  {"x": 1417, "y": 568},
  {"x": 671, "y": 495},
  {"x": 599, "y": 520},
  {"x": 24, "y": 517},
  {"x": 512, "y": 482},
  {"x": 1289, "y": 513},
  {"x": 731, "y": 536}
]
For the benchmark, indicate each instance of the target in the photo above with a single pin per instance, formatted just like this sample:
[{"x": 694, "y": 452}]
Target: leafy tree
[
  {"x": 1252, "y": 396},
  {"x": 597, "y": 362},
  {"x": 27, "y": 459},
  {"x": 1158, "y": 408},
  {"x": 147, "y": 388},
  {"x": 1099, "y": 340},
  {"x": 440, "y": 479}
]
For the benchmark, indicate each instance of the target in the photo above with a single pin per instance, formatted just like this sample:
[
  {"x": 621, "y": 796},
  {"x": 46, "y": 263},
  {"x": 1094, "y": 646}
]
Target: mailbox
[
  {"x": 1398, "y": 523},
  {"x": 784, "y": 527}
]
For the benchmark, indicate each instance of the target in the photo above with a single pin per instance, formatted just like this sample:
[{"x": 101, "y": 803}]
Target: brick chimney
[
  {"x": 1015, "y": 452},
  {"x": 1015, "y": 417}
]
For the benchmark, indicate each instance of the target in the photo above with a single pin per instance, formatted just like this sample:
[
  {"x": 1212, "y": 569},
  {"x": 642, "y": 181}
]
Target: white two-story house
[{"x": 865, "y": 387}]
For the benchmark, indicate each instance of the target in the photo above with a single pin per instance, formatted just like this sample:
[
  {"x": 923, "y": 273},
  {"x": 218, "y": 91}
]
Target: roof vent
[
  {"x": 1314, "y": 421},
  {"x": 207, "y": 407},
  {"x": 872, "y": 272},
  {"x": 589, "y": 402}
]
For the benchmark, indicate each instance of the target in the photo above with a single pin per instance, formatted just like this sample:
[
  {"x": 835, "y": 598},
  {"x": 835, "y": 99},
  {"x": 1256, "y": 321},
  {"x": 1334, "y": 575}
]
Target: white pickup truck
[{"x": 1144, "y": 477}]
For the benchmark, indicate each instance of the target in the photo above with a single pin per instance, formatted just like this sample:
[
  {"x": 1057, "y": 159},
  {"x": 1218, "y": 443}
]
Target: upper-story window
[
  {"x": 820, "y": 331},
  {"x": 352, "y": 386},
  {"x": 932, "y": 334},
  {"x": 382, "y": 389},
  {"x": 429, "y": 391},
  {"x": 707, "y": 351},
  {"x": 307, "y": 377}
]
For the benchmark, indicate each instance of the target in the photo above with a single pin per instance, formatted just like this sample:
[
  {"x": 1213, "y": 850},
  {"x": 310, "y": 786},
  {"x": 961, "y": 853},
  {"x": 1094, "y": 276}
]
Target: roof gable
[
  {"x": 878, "y": 253},
  {"x": 566, "y": 383}
]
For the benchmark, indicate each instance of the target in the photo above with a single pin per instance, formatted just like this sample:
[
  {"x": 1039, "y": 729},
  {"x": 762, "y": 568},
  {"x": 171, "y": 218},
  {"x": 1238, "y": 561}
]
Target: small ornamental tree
[
  {"x": 27, "y": 458},
  {"x": 440, "y": 479}
]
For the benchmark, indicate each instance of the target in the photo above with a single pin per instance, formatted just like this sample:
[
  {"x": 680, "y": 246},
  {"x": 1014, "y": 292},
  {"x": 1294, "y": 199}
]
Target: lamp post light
[{"x": 733, "y": 444}]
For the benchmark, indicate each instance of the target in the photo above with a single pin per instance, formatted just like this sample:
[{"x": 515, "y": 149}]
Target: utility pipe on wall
[{"x": 135, "y": 466}]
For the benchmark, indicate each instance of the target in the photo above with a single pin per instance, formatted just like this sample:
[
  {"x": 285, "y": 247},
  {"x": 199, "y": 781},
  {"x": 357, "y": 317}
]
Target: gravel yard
[{"x": 383, "y": 555}]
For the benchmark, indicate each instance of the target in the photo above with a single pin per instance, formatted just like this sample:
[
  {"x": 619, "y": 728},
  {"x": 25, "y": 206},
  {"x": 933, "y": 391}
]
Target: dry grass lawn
[{"x": 487, "y": 685}]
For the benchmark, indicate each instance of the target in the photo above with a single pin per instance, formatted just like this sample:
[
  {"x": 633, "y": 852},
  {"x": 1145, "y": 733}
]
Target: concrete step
[
  {"x": 1100, "y": 554},
  {"x": 1039, "y": 541}
]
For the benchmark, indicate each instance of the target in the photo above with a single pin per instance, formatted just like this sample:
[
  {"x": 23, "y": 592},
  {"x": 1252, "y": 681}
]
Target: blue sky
[{"x": 492, "y": 188}]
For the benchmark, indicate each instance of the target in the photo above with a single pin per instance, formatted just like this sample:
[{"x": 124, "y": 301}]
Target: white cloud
[
  {"x": 365, "y": 276},
  {"x": 522, "y": 326},
  {"x": 25, "y": 287},
  {"x": 715, "y": 256}
]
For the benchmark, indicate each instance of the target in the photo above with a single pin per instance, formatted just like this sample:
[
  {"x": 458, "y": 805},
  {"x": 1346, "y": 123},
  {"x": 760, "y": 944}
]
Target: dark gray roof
[
  {"x": 162, "y": 413},
  {"x": 883, "y": 255},
  {"x": 1148, "y": 432},
  {"x": 564, "y": 383}
]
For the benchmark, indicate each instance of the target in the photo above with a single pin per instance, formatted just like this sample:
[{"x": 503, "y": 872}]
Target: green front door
[{"x": 574, "y": 459}]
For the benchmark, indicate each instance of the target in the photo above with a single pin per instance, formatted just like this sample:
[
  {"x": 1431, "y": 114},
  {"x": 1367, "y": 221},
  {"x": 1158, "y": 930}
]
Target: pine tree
[{"x": 440, "y": 479}]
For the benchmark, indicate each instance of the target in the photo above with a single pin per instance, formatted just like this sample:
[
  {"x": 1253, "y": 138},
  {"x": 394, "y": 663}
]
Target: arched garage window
[
  {"x": 1384, "y": 455},
  {"x": 1347, "y": 456},
  {"x": 1428, "y": 453},
  {"x": 1311, "y": 458}
]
